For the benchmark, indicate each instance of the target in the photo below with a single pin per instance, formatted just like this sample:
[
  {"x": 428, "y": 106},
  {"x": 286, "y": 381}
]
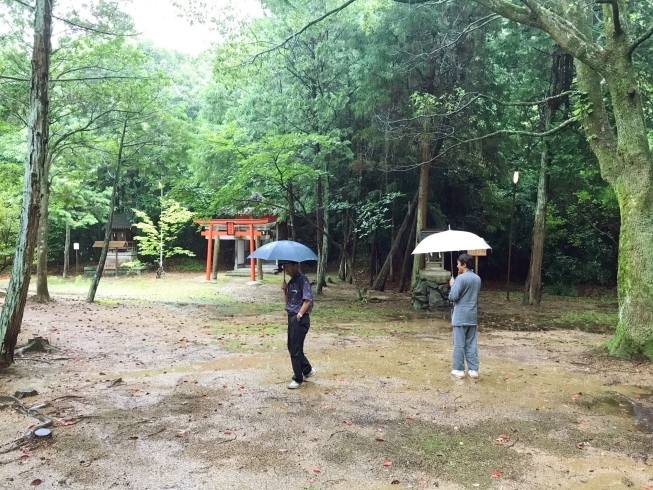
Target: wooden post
[
  {"x": 252, "y": 267},
  {"x": 259, "y": 262},
  {"x": 209, "y": 252},
  {"x": 76, "y": 262},
  {"x": 216, "y": 255}
]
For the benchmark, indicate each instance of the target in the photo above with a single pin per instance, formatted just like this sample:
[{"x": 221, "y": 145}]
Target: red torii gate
[{"x": 231, "y": 224}]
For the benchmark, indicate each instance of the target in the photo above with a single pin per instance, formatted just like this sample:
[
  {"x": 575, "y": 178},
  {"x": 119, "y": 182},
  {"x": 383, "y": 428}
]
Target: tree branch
[
  {"x": 303, "y": 29},
  {"x": 615, "y": 15},
  {"x": 640, "y": 40}
]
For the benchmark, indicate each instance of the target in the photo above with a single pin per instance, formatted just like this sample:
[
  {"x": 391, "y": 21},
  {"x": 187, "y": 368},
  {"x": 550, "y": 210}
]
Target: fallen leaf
[
  {"x": 394, "y": 482},
  {"x": 638, "y": 396},
  {"x": 227, "y": 432},
  {"x": 133, "y": 437},
  {"x": 36, "y": 482},
  {"x": 496, "y": 474},
  {"x": 574, "y": 397},
  {"x": 317, "y": 470},
  {"x": 501, "y": 439},
  {"x": 347, "y": 421},
  {"x": 102, "y": 374},
  {"x": 30, "y": 426},
  {"x": 224, "y": 385},
  {"x": 66, "y": 422},
  {"x": 646, "y": 487},
  {"x": 386, "y": 463},
  {"x": 181, "y": 433},
  {"x": 283, "y": 450},
  {"x": 379, "y": 429},
  {"x": 312, "y": 480},
  {"x": 380, "y": 439},
  {"x": 409, "y": 417}
]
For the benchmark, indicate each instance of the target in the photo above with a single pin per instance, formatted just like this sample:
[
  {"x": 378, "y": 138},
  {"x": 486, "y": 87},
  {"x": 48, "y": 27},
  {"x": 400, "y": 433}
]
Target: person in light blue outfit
[{"x": 464, "y": 296}]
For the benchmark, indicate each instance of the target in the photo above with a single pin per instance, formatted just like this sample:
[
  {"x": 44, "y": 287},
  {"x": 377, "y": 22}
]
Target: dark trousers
[{"x": 296, "y": 334}]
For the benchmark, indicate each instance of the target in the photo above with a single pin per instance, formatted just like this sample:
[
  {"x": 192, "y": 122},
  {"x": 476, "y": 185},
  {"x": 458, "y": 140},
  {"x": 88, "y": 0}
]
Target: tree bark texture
[
  {"x": 92, "y": 290},
  {"x": 66, "y": 252},
  {"x": 323, "y": 256},
  {"x": 379, "y": 282},
  {"x": 42, "y": 293},
  {"x": 37, "y": 148}
]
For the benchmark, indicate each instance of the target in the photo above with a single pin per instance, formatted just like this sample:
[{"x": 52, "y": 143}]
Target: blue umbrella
[{"x": 283, "y": 250}]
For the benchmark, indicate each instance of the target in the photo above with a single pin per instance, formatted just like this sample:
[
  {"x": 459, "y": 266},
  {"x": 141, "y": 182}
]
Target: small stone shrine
[{"x": 432, "y": 288}]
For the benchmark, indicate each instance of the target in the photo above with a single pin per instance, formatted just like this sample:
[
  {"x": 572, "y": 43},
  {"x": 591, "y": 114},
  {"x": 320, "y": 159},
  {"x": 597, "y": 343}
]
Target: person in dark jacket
[
  {"x": 464, "y": 295},
  {"x": 299, "y": 304}
]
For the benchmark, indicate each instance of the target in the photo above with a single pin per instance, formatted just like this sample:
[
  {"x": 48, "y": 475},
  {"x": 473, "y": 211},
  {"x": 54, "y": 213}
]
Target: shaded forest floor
[{"x": 181, "y": 384}]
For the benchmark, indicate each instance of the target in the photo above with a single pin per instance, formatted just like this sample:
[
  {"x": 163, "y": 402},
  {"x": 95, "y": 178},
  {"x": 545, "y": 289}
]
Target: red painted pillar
[
  {"x": 209, "y": 253},
  {"x": 252, "y": 262}
]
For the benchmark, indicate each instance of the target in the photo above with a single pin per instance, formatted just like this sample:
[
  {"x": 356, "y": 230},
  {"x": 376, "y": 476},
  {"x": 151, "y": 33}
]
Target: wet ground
[{"x": 180, "y": 384}]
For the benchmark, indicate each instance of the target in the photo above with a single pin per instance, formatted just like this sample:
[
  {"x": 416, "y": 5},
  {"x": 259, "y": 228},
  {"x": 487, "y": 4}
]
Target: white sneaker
[
  {"x": 294, "y": 385},
  {"x": 312, "y": 373},
  {"x": 473, "y": 374},
  {"x": 458, "y": 374}
]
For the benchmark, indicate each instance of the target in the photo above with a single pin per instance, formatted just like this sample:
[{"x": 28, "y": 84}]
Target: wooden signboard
[
  {"x": 478, "y": 253},
  {"x": 231, "y": 228}
]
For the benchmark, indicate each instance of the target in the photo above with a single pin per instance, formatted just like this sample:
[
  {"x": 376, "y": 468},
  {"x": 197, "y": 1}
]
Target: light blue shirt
[{"x": 464, "y": 295}]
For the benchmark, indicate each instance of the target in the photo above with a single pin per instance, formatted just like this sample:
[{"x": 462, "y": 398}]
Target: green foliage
[
  {"x": 11, "y": 177},
  {"x": 160, "y": 239}
]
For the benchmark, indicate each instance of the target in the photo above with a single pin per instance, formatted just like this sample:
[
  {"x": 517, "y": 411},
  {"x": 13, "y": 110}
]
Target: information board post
[
  {"x": 76, "y": 248},
  {"x": 476, "y": 254}
]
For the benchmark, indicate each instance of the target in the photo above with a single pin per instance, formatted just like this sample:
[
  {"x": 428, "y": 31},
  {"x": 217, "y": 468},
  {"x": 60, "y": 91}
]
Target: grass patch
[
  {"x": 589, "y": 320},
  {"x": 233, "y": 327},
  {"x": 253, "y": 345}
]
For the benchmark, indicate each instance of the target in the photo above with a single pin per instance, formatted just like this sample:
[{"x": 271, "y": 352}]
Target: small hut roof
[{"x": 120, "y": 222}]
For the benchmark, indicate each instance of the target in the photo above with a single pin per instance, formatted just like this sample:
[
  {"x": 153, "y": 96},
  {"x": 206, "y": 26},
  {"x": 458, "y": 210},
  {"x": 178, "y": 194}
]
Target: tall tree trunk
[
  {"x": 354, "y": 250},
  {"x": 372, "y": 269},
  {"x": 66, "y": 252},
  {"x": 623, "y": 151},
  {"x": 562, "y": 72},
  {"x": 323, "y": 257},
  {"x": 90, "y": 297},
  {"x": 406, "y": 263},
  {"x": 342, "y": 268},
  {"x": 37, "y": 148},
  {"x": 379, "y": 283},
  {"x": 533, "y": 286},
  {"x": 291, "y": 211},
  {"x": 422, "y": 204},
  {"x": 42, "y": 293}
]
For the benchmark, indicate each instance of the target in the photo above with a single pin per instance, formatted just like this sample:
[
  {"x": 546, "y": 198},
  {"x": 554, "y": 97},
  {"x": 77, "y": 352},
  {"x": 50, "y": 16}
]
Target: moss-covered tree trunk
[
  {"x": 616, "y": 133},
  {"x": 37, "y": 147}
]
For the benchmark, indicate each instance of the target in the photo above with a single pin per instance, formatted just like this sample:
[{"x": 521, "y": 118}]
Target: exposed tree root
[{"x": 7, "y": 401}]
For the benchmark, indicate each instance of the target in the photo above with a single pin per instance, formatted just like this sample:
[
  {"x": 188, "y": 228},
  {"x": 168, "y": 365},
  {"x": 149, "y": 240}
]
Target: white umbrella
[{"x": 450, "y": 241}]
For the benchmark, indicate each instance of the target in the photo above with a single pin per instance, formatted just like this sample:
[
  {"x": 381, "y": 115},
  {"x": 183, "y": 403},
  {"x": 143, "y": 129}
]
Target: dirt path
[{"x": 180, "y": 384}]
